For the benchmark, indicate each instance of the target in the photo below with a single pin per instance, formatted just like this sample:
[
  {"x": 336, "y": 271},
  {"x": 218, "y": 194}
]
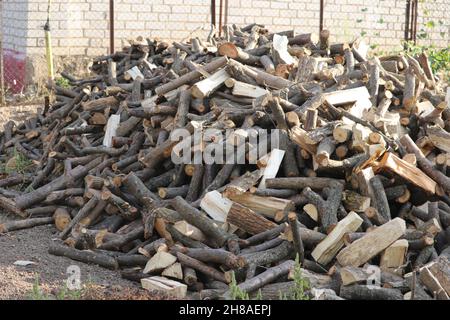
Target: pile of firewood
[{"x": 357, "y": 188}]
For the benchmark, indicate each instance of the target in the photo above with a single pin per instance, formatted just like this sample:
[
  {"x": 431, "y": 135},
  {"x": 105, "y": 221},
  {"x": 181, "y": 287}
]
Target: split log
[
  {"x": 362, "y": 250},
  {"x": 330, "y": 246}
]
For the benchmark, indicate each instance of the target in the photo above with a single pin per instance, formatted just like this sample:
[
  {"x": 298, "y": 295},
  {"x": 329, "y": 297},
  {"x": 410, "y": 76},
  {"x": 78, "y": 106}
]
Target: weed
[
  {"x": 61, "y": 294},
  {"x": 301, "y": 285},
  {"x": 21, "y": 163},
  {"x": 62, "y": 82},
  {"x": 36, "y": 292},
  {"x": 236, "y": 292}
]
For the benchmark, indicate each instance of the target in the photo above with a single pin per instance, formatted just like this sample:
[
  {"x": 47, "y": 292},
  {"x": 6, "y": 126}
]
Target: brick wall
[{"x": 80, "y": 27}]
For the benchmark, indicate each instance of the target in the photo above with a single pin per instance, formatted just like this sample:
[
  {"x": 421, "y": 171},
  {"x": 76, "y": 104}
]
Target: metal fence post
[
  {"x": 111, "y": 27},
  {"x": 321, "y": 15},
  {"x": 2, "y": 74}
]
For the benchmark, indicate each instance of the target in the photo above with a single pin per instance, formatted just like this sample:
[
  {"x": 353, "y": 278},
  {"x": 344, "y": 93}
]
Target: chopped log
[
  {"x": 187, "y": 261},
  {"x": 365, "y": 292},
  {"x": 9, "y": 206},
  {"x": 24, "y": 224},
  {"x": 216, "y": 206},
  {"x": 273, "y": 164},
  {"x": 205, "y": 87},
  {"x": 362, "y": 250},
  {"x": 174, "y": 271},
  {"x": 267, "y": 206},
  {"x": 247, "y": 220},
  {"x": 425, "y": 164},
  {"x": 264, "y": 278},
  {"x": 160, "y": 261},
  {"x": 330, "y": 246},
  {"x": 191, "y": 76},
  {"x": 189, "y": 230},
  {"x": 407, "y": 171},
  {"x": 393, "y": 257},
  {"x": 62, "y": 218},
  {"x": 296, "y": 234},
  {"x": 84, "y": 256},
  {"x": 194, "y": 217},
  {"x": 164, "y": 285}
]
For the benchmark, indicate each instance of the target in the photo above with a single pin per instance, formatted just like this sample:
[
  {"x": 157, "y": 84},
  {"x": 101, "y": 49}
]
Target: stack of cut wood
[{"x": 357, "y": 188}]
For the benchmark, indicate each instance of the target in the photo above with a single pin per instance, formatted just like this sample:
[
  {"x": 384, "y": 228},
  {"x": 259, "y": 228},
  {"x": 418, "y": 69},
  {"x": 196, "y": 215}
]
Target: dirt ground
[
  {"x": 16, "y": 113},
  {"x": 16, "y": 282}
]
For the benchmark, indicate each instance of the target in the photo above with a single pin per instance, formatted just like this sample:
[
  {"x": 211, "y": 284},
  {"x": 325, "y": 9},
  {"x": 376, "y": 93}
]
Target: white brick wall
[{"x": 81, "y": 26}]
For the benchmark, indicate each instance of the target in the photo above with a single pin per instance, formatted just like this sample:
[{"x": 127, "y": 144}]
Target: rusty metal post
[
  {"x": 111, "y": 27},
  {"x": 220, "y": 17},
  {"x": 2, "y": 74},
  {"x": 321, "y": 15},
  {"x": 414, "y": 20},
  {"x": 226, "y": 13},
  {"x": 407, "y": 20},
  {"x": 213, "y": 12}
]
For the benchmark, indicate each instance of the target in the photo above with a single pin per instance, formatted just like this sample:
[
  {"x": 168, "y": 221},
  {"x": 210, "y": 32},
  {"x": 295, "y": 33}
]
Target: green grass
[
  {"x": 63, "y": 83},
  {"x": 62, "y": 294},
  {"x": 22, "y": 163},
  {"x": 298, "y": 291}
]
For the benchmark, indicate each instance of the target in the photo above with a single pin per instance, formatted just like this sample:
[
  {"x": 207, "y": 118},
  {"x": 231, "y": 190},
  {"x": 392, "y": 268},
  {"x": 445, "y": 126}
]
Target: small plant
[
  {"x": 236, "y": 292},
  {"x": 62, "y": 82},
  {"x": 439, "y": 58},
  {"x": 301, "y": 285},
  {"x": 21, "y": 163},
  {"x": 62, "y": 294},
  {"x": 36, "y": 292},
  {"x": 65, "y": 294}
]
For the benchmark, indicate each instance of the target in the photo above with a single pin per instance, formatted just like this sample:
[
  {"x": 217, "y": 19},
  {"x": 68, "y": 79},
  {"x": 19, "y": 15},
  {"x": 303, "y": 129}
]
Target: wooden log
[
  {"x": 296, "y": 233},
  {"x": 84, "y": 256},
  {"x": 27, "y": 200},
  {"x": 393, "y": 257},
  {"x": 434, "y": 279},
  {"x": 160, "y": 261},
  {"x": 217, "y": 256},
  {"x": 267, "y": 206},
  {"x": 272, "y": 167},
  {"x": 191, "y": 76},
  {"x": 194, "y": 217},
  {"x": 330, "y": 246},
  {"x": 205, "y": 87},
  {"x": 407, "y": 171},
  {"x": 316, "y": 183},
  {"x": 247, "y": 220},
  {"x": 425, "y": 164},
  {"x": 187, "y": 261},
  {"x": 62, "y": 218},
  {"x": 264, "y": 278},
  {"x": 365, "y": 292},
  {"x": 380, "y": 200},
  {"x": 24, "y": 224},
  {"x": 80, "y": 215},
  {"x": 166, "y": 286},
  {"x": 9, "y": 206},
  {"x": 362, "y": 250}
]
